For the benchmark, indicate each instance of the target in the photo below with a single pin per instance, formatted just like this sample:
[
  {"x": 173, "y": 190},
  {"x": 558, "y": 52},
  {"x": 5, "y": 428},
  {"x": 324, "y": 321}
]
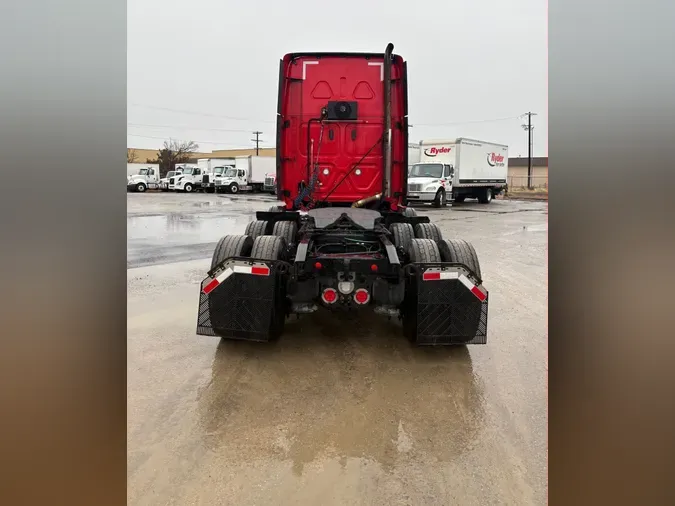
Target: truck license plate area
[
  {"x": 447, "y": 307},
  {"x": 240, "y": 301}
]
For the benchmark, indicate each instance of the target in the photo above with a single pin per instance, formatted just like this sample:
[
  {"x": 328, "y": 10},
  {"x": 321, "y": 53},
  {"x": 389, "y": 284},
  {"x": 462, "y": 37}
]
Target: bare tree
[
  {"x": 172, "y": 153},
  {"x": 131, "y": 156}
]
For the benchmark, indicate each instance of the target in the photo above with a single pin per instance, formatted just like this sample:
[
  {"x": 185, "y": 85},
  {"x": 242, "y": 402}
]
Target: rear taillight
[
  {"x": 361, "y": 296},
  {"x": 329, "y": 295}
]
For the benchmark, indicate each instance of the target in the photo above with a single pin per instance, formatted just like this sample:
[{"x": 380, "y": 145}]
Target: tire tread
[
  {"x": 424, "y": 251},
  {"x": 268, "y": 247},
  {"x": 460, "y": 251},
  {"x": 403, "y": 233},
  {"x": 231, "y": 246}
]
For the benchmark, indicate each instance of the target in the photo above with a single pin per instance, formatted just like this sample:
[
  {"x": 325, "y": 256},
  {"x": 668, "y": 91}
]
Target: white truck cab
[
  {"x": 233, "y": 179},
  {"x": 189, "y": 180},
  {"x": 430, "y": 182},
  {"x": 164, "y": 182},
  {"x": 147, "y": 178},
  {"x": 212, "y": 179},
  {"x": 270, "y": 183}
]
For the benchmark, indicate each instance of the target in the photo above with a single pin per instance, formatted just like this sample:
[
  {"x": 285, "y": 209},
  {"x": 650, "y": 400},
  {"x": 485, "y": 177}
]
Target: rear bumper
[{"x": 441, "y": 304}]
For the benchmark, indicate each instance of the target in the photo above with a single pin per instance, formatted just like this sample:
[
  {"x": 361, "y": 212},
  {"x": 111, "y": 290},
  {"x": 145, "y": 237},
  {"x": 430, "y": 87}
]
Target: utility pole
[
  {"x": 257, "y": 142},
  {"x": 529, "y": 129}
]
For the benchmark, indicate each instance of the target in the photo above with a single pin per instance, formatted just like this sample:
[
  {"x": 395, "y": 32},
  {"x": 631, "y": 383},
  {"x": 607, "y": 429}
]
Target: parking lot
[{"x": 339, "y": 410}]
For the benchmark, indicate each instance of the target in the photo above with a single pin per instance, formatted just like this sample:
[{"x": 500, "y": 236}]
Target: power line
[
  {"x": 199, "y": 142},
  {"x": 196, "y": 113},
  {"x": 466, "y": 122},
  {"x": 210, "y": 115},
  {"x": 188, "y": 128}
]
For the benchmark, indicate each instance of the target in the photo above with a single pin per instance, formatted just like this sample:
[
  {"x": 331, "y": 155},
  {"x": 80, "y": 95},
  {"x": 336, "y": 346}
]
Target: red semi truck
[{"x": 341, "y": 238}]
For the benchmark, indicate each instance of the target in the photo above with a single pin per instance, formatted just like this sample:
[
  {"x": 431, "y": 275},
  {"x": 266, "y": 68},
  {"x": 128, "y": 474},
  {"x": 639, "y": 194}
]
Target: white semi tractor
[
  {"x": 248, "y": 174},
  {"x": 213, "y": 170},
  {"x": 457, "y": 169},
  {"x": 142, "y": 177}
]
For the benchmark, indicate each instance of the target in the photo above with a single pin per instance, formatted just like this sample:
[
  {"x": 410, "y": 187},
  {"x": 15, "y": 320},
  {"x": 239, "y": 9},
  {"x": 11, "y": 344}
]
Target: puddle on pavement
[
  {"x": 341, "y": 397},
  {"x": 177, "y": 228}
]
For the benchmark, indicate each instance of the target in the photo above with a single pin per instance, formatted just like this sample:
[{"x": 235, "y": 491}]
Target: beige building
[
  {"x": 517, "y": 175},
  {"x": 143, "y": 155}
]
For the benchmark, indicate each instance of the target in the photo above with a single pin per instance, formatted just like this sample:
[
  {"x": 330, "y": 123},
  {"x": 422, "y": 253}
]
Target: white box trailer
[
  {"x": 458, "y": 169},
  {"x": 413, "y": 154},
  {"x": 248, "y": 174},
  {"x": 209, "y": 164}
]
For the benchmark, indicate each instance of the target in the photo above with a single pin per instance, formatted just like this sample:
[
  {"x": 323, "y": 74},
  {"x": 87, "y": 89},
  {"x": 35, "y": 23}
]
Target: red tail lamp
[
  {"x": 329, "y": 295},
  {"x": 361, "y": 296}
]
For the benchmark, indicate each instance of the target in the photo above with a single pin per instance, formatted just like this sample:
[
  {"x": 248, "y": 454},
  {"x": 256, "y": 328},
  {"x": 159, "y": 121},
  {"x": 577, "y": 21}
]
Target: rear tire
[
  {"x": 462, "y": 252},
  {"x": 409, "y": 212},
  {"x": 424, "y": 251},
  {"x": 231, "y": 246},
  {"x": 268, "y": 247},
  {"x": 403, "y": 233},
  {"x": 256, "y": 228},
  {"x": 428, "y": 231},
  {"x": 440, "y": 200},
  {"x": 485, "y": 196},
  {"x": 286, "y": 229}
]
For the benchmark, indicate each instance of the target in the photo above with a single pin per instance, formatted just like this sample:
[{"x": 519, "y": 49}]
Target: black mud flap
[
  {"x": 243, "y": 299},
  {"x": 445, "y": 305}
]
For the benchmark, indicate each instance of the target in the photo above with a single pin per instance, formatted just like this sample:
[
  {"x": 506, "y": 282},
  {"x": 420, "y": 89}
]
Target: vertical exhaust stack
[{"x": 386, "y": 183}]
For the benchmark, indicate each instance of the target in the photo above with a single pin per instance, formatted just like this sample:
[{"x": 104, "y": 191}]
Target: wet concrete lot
[{"x": 339, "y": 410}]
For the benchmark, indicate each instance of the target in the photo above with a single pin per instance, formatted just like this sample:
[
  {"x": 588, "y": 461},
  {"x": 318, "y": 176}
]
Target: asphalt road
[{"x": 339, "y": 411}]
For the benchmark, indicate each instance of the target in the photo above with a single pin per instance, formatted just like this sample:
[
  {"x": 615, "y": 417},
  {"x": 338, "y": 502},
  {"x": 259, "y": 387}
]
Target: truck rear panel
[{"x": 310, "y": 82}]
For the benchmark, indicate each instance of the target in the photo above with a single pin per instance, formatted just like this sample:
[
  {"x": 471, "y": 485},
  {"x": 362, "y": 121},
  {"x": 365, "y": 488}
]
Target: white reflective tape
[
  {"x": 224, "y": 275},
  {"x": 465, "y": 281},
  {"x": 449, "y": 275},
  {"x": 381, "y": 65},
  {"x": 304, "y": 67},
  {"x": 243, "y": 269}
]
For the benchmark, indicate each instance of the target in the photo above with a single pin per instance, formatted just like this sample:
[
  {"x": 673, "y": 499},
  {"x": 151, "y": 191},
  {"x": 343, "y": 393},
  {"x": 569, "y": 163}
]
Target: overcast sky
[{"x": 206, "y": 70}]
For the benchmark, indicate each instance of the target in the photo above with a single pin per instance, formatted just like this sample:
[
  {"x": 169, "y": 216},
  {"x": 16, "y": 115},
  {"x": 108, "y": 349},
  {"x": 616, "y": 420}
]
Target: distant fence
[{"x": 517, "y": 182}]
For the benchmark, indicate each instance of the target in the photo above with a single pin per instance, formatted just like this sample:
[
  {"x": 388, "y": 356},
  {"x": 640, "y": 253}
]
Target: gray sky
[{"x": 469, "y": 62}]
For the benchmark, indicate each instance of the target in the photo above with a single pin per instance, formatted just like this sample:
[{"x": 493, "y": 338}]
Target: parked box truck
[
  {"x": 458, "y": 169},
  {"x": 212, "y": 170},
  {"x": 248, "y": 174}
]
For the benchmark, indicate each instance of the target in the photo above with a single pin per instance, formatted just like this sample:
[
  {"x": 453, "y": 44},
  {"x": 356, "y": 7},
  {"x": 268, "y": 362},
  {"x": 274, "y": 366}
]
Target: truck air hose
[{"x": 309, "y": 189}]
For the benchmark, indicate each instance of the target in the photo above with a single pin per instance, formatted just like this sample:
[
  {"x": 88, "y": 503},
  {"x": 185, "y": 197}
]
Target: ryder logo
[
  {"x": 436, "y": 151},
  {"x": 495, "y": 160}
]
